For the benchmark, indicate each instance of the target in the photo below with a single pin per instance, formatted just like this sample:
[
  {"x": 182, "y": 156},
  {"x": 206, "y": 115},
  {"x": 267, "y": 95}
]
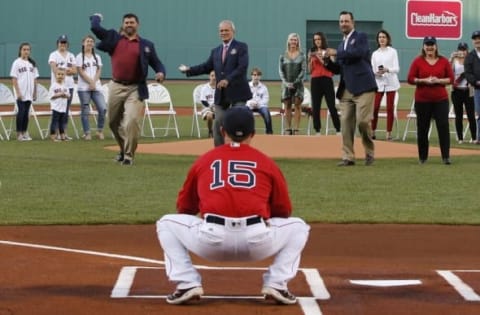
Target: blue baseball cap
[
  {"x": 475, "y": 34},
  {"x": 462, "y": 46},
  {"x": 62, "y": 38},
  {"x": 238, "y": 121},
  {"x": 429, "y": 40}
]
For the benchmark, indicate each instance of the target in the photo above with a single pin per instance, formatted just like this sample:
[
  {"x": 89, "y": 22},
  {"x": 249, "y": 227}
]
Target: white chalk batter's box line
[{"x": 308, "y": 304}]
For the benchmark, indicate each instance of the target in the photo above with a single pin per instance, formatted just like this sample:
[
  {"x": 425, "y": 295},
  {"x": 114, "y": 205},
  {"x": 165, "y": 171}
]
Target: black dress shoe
[
  {"x": 127, "y": 162},
  {"x": 447, "y": 161},
  {"x": 119, "y": 157},
  {"x": 346, "y": 163}
]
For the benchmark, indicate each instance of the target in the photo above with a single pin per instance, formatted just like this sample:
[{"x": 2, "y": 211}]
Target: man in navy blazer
[
  {"x": 356, "y": 89},
  {"x": 230, "y": 63},
  {"x": 131, "y": 55}
]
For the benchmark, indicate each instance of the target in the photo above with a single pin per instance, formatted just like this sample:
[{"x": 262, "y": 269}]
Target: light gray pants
[{"x": 217, "y": 123}]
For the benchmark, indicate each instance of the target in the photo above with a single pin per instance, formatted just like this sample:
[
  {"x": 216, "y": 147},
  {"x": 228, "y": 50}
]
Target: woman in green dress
[{"x": 292, "y": 66}]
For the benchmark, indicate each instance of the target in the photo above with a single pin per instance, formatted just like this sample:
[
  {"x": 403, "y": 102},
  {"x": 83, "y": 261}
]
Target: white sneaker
[
  {"x": 100, "y": 135},
  {"x": 185, "y": 295},
  {"x": 26, "y": 137},
  {"x": 87, "y": 137},
  {"x": 281, "y": 296}
]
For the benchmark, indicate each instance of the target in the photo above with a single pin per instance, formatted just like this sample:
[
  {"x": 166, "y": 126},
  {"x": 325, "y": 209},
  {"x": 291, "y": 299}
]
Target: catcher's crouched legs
[
  {"x": 175, "y": 235},
  {"x": 290, "y": 236}
]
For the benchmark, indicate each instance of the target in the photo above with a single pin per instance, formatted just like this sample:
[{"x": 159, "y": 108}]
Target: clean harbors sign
[{"x": 439, "y": 18}]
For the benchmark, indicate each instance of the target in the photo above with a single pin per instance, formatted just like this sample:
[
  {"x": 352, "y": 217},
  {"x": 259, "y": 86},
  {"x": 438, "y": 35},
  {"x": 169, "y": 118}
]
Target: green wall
[{"x": 184, "y": 31}]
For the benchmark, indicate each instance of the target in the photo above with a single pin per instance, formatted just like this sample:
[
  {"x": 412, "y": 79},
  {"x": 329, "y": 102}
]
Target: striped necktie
[{"x": 224, "y": 52}]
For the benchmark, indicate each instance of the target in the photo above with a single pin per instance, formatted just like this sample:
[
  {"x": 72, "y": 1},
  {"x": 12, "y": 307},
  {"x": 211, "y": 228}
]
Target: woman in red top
[
  {"x": 431, "y": 72},
  {"x": 321, "y": 82}
]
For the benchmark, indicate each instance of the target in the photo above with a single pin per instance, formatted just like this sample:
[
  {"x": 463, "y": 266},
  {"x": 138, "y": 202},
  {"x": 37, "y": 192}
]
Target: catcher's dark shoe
[
  {"x": 346, "y": 163},
  {"x": 281, "y": 296},
  {"x": 119, "y": 157},
  {"x": 185, "y": 295}
]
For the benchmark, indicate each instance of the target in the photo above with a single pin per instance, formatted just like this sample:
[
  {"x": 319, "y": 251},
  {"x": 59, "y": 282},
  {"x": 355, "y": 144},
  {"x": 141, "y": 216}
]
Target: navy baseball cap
[
  {"x": 238, "y": 121},
  {"x": 462, "y": 46},
  {"x": 429, "y": 40},
  {"x": 62, "y": 38},
  {"x": 475, "y": 34}
]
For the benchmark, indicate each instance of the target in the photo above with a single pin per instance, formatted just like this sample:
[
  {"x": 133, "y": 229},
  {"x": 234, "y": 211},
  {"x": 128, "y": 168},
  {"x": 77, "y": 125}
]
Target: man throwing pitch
[
  {"x": 131, "y": 56},
  {"x": 244, "y": 206}
]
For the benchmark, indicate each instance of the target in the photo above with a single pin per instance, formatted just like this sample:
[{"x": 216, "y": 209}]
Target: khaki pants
[
  {"x": 124, "y": 114},
  {"x": 356, "y": 110}
]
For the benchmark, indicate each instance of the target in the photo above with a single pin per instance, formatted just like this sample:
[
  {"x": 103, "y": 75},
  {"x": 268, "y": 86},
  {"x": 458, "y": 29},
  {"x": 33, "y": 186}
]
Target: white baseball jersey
[
  {"x": 66, "y": 61},
  {"x": 260, "y": 96},
  {"x": 207, "y": 93},
  {"x": 90, "y": 66},
  {"x": 58, "y": 104},
  {"x": 25, "y": 73}
]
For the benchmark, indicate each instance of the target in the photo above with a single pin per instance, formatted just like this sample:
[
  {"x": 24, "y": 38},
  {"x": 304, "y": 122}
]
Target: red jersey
[
  {"x": 420, "y": 69},
  {"x": 235, "y": 180}
]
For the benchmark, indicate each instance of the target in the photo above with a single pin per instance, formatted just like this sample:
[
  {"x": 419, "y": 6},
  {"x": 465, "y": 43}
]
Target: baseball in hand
[{"x": 183, "y": 68}]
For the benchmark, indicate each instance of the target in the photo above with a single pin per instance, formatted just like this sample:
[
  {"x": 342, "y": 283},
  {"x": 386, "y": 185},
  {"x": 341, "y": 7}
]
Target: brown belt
[{"x": 124, "y": 82}]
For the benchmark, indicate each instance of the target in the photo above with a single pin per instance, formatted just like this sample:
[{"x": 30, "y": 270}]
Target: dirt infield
[
  {"x": 312, "y": 147},
  {"x": 346, "y": 269}
]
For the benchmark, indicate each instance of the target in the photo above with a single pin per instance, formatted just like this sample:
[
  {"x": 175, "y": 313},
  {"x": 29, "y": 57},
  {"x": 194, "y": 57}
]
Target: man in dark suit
[
  {"x": 356, "y": 90},
  {"x": 131, "y": 55},
  {"x": 230, "y": 63}
]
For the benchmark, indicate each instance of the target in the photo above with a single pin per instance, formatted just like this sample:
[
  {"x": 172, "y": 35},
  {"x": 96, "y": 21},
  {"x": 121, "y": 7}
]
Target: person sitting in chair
[
  {"x": 207, "y": 97},
  {"x": 260, "y": 97}
]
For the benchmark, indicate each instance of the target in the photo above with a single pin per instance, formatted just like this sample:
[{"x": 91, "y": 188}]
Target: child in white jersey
[
  {"x": 62, "y": 58},
  {"x": 24, "y": 75},
  {"x": 58, "y": 95}
]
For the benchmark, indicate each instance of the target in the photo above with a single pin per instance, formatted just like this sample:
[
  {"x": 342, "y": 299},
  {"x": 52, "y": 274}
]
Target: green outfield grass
[{"x": 78, "y": 183}]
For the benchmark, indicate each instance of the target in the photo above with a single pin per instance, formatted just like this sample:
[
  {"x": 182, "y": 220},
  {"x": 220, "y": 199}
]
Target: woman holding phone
[
  {"x": 386, "y": 67},
  {"x": 321, "y": 82}
]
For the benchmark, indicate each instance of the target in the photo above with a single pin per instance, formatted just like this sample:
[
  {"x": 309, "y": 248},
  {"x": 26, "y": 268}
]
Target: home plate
[{"x": 386, "y": 283}]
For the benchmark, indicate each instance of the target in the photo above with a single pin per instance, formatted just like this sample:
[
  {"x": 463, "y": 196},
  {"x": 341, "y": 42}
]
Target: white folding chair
[
  {"x": 41, "y": 108},
  {"x": 8, "y": 109},
  {"x": 197, "y": 106},
  {"x": 382, "y": 114},
  {"x": 451, "y": 116},
  {"x": 412, "y": 119},
  {"x": 106, "y": 94},
  {"x": 328, "y": 120},
  {"x": 159, "y": 103},
  {"x": 306, "y": 111}
]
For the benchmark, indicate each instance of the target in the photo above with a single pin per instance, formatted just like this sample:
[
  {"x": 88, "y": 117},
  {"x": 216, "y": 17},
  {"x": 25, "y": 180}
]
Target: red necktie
[{"x": 224, "y": 52}]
